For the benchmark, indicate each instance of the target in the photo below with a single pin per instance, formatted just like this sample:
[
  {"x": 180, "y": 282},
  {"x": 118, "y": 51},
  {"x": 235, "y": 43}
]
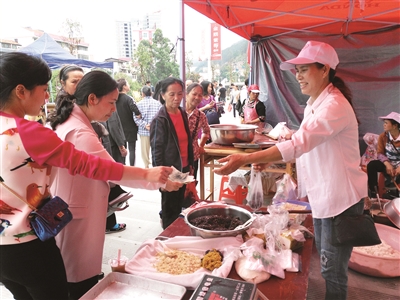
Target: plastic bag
[
  {"x": 255, "y": 196},
  {"x": 285, "y": 189}
]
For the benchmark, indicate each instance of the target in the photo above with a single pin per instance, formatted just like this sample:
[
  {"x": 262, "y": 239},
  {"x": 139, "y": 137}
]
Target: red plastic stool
[{"x": 225, "y": 192}]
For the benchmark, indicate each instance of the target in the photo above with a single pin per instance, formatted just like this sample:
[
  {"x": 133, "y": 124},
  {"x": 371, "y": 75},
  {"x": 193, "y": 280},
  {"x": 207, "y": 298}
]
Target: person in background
[
  {"x": 234, "y": 98},
  {"x": 214, "y": 90},
  {"x": 69, "y": 77},
  {"x": 171, "y": 143},
  {"x": 149, "y": 108},
  {"x": 243, "y": 95},
  {"x": 253, "y": 110},
  {"x": 148, "y": 83},
  {"x": 126, "y": 108},
  {"x": 327, "y": 156},
  {"x": 116, "y": 137},
  {"x": 30, "y": 268},
  {"x": 82, "y": 241},
  {"x": 221, "y": 98},
  {"x": 197, "y": 122},
  {"x": 188, "y": 82},
  {"x": 208, "y": 105},
  {"x": 388, "y": 151}
]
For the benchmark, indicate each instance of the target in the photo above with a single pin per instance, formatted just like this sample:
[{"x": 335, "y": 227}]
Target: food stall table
[
  {"x": 294, "y": 286},
  {"x": 214, "y": 152}
]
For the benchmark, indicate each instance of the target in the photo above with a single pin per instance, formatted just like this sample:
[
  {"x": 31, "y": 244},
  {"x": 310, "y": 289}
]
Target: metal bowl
[
  {"x": 225, "y": 134},
  {"x": 223, "y": 210}
]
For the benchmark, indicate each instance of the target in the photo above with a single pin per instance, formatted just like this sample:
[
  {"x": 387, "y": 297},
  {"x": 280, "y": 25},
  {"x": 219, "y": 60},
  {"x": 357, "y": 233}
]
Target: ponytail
[{"x": 64, "y": 106}]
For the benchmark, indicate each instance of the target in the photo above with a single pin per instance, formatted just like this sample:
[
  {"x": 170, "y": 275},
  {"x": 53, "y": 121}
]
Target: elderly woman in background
[
  {"x": 82, "y": 241},
  {"x": 171, "y": 143},
  {"x": 197, "y": 122},
  {"x": 388, "y": 151}
]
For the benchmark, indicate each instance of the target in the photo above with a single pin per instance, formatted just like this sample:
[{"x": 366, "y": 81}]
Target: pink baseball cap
[
  {"x": 313, "y": 52},
  {"x": 254, "y": 88},
  {"x": 392, "y": 116}
]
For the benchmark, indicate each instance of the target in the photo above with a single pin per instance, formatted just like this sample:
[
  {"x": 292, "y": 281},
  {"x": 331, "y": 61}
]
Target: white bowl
[{"x": 378, "y": 266}]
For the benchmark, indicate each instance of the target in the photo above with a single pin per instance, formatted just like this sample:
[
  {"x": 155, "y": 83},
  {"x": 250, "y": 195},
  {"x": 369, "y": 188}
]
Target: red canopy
[{"x": 253, "y": 19}]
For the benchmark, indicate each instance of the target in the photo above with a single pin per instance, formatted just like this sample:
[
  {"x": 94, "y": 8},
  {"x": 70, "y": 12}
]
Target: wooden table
[
  {"x": 293, "y": 287},
  {"x": 214, "y": 152}
]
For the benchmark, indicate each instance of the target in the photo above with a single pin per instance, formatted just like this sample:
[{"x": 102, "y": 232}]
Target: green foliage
[{"x": 153, "y": 61}]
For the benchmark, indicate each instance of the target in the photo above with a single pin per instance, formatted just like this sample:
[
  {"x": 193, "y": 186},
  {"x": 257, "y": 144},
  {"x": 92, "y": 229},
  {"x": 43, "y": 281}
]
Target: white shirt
[
  {"x": 327, "y": 155},
  {"x": 243, "y": 94}
]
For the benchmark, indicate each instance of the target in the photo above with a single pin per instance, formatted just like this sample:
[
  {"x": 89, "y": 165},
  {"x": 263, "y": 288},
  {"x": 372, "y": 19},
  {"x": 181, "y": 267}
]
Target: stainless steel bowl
[
  {"x": 225, "y": 134},
  {"x": 223, "y": 210}
]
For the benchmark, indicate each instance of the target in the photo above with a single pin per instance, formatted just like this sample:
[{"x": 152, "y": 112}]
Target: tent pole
[{"x": 182, "y": 56}]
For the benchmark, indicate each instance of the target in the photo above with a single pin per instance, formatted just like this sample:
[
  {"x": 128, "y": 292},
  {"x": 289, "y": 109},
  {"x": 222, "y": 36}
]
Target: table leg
[
  {"x": 212, "y": 181},
  {"x": 201, "y": 176}
]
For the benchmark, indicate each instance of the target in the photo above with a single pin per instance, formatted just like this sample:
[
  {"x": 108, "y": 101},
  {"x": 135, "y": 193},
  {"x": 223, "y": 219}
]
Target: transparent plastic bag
[
  {"x": 255, "y": 196},
  {"x": 285, "y": 190}
]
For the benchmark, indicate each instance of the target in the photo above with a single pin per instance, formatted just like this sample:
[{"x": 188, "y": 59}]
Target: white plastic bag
[
  {"x": 285, "y": 189},
  {"x": 255, "y": 196}
]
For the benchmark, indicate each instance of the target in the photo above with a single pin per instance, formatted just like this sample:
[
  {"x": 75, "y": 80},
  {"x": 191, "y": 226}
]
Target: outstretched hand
[
  {"x": 233, "y": 162},
  {"x": 158, "y": 174}
]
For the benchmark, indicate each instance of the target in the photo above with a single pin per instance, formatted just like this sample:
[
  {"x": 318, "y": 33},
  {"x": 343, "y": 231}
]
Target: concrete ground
[{"x": 143, "y": 223}]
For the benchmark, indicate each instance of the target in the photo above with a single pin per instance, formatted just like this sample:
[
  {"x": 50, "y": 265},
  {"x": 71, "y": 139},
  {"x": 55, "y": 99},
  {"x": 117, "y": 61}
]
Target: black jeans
[
  {"x": 373, "y": 167},
  {"x": 171, "y": 204},
  {"x": 33, "y": 270}
]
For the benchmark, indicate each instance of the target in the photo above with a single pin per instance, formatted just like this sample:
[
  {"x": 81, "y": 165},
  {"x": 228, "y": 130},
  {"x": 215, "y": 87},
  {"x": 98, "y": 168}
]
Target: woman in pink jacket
[{"x": 30, "y": 268}]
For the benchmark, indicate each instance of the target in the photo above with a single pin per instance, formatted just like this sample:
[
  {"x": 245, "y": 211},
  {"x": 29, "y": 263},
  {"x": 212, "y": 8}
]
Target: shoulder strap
[{"x": 16, "y": 194}]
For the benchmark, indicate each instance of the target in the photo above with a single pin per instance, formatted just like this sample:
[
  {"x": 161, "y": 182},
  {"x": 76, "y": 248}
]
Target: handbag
[
  {"x": 354, "y": 230},
  {"x": 48, "y": 220}
]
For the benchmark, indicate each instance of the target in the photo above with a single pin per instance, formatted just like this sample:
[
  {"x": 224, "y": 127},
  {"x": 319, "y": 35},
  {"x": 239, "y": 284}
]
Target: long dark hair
[
  {"x": 94, "y": 82},
  {"x": 162, "y": 87},
  {"x": 20, "y": 68},
  {"x": 340, "y": 85},
  {"x": 205, "y": 85}
]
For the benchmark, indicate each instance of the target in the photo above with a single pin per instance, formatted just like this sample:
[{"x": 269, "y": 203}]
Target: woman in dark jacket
[{"x": 171, "y": 143}]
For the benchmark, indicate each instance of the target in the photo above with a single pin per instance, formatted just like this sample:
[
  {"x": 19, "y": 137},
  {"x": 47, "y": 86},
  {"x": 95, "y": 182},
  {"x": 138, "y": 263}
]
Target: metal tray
[
  {"x": 126, "y": 286},
  {"x": 246, "y": 145}
]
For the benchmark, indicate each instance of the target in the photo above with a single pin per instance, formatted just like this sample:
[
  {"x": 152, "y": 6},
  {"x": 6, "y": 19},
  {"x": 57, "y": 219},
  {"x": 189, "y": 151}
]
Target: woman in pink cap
[
  {"x": 253, "y": 110},
  {"x": 327, "y": 157},
  {"x": 388, "y": 161}
]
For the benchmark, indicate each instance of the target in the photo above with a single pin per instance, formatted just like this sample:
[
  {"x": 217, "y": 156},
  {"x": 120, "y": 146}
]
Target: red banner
[{"x": 215, "y": 41}]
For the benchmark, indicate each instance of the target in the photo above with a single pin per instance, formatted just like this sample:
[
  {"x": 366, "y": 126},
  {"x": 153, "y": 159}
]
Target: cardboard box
[{"x": 218, "y": 288}]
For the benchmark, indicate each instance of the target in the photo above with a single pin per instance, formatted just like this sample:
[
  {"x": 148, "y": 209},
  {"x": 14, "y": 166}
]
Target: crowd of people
[{"x": 85, "y": 142}]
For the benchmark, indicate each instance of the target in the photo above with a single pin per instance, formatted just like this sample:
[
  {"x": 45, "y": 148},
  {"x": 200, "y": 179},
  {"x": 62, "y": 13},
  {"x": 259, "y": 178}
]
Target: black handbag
[
  {"x": 48, "y": 220},
  {"x": 356, "y": 231}
]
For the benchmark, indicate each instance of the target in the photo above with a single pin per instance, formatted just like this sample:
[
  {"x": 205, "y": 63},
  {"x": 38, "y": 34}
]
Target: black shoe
[{"x": 100, "y": 276}]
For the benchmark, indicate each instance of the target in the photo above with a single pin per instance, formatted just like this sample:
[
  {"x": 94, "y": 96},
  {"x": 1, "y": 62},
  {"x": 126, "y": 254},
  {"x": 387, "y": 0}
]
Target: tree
[
  {"x": 155, "y": 61},
  {"x": 164, "y": 59},
  {"x": 73, "y": 30},
  {"x": 144, "y": 60}
]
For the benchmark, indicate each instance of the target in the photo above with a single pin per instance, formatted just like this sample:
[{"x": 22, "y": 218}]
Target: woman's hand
[
  {"x": 397, "y": 172},
  {"x": 123, "y": 151},
  {"x": 172, "y": 186},
  {"x": 234, "y": 162},
  {"x": 389, "y": 169},
  {"x": 158, "y": 174}
]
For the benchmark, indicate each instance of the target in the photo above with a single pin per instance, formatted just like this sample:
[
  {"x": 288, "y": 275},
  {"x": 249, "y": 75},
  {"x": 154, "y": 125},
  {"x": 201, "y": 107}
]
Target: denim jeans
[{"x": 334, "y": 260}]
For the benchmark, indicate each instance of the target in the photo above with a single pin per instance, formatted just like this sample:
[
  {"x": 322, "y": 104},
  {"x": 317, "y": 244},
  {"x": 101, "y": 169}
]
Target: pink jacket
[{"x": 82, "y": 241}]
